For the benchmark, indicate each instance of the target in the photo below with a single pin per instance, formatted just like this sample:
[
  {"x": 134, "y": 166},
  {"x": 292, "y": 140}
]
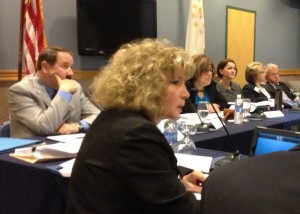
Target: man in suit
[
  {"x": 263, "y": 184},
  {"x": 49, "y": 102},
  {"x": 273, "y": 81}
]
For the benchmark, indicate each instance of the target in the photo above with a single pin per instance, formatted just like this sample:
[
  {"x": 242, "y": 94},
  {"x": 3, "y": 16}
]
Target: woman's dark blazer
[
  {"x": 125, "y": 165},
  {"x": 249, "y": 91},
  {"x": 210, "y": 90}
]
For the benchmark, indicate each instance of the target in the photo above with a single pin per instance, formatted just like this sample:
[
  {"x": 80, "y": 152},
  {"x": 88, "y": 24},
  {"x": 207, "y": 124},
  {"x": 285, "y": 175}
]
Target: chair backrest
[{"x": 5, "y": 129}]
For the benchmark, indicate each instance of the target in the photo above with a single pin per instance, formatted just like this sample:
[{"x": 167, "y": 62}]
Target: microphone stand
[{"x": 236, "y": 154}]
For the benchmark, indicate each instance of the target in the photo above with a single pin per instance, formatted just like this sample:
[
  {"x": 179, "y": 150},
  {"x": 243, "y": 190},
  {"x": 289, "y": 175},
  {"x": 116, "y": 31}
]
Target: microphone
[
  {"x": 236, "y": 154},
  {"x": 87, "y": 93}
]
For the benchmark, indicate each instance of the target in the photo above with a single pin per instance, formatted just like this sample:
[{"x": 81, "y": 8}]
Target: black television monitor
[{"x": 104, "y": 25}]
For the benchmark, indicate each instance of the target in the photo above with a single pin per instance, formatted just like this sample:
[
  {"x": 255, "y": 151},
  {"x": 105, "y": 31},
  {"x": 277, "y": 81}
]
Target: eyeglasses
[{"x": 209, "y": 71}]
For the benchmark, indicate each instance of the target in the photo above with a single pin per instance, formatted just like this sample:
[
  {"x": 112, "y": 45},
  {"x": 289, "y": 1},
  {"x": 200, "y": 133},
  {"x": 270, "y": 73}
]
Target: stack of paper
[{"x": 68, "y": 147}]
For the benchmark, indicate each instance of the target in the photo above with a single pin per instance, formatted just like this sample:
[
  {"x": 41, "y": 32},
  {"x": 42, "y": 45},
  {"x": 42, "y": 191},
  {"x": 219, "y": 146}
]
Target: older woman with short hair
[{"x": 255, "y": 75}]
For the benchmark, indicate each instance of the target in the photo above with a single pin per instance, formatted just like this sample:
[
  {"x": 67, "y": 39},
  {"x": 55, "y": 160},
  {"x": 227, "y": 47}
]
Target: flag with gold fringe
[
  {"x": 195, "y": 34},
  {"x": 34, "y": 37}
]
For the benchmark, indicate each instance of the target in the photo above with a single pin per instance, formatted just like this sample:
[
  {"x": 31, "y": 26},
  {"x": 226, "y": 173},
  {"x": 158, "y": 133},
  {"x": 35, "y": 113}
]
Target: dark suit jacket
[
  {"x": 263, "y": 184},
  {"x": 284, "y": 88},
  {"x": 249, "y": 91},
  {"x": 210, "y": 90},
  {"x": 125, "y": 165}
]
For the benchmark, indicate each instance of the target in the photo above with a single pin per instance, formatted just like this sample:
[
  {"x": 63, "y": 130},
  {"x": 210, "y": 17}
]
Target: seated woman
[
  {"x": 227, "y": 71},
  {"x": 255, "y": 76},
  {"x": 125, "y": 164},
  {"x": 202, "y": 88}
]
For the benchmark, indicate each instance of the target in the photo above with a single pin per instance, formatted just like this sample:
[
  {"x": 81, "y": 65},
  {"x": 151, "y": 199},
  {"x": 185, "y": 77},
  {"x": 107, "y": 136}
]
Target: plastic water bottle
[
  {"x": 170, "y": 133},
  {"x": 238, "y": 111}
]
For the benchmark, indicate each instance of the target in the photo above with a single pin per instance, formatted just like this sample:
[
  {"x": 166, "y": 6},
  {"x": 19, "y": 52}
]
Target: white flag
[{"x": 195, "y": 34}]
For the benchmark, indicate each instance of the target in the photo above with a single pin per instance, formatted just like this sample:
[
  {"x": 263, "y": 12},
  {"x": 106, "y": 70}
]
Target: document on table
[
  {"x": 67, "y": 147},
  {"x": 195, "y": 162},
  {"x": 190, "y": 161},
  {"x": 67, "y": 138},
  {"x": 65, "y": 169}
]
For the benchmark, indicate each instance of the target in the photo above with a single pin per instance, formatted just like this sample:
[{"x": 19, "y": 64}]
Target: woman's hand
[
  {"x": 193, "y": 181},
  {"x": 211, "y": 109}
]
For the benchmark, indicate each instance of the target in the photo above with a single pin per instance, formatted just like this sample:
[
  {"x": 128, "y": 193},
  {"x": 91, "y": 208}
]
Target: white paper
[
  {"x": 273, "y": 114},
  {"x": 217, "y": 123},
  {"x": 195, "y": 162},
  {"x": 67, "y": 138},
  {"x": 59, "y": 150},
  {"x": 66, "y": 168}
]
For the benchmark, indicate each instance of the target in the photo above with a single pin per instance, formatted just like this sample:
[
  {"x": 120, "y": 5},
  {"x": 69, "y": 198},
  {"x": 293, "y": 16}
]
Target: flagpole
[{"x": 21, "y": 41}]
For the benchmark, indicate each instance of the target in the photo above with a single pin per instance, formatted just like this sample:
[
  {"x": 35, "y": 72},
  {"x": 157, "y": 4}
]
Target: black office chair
[{"x": 5, "y": 129}]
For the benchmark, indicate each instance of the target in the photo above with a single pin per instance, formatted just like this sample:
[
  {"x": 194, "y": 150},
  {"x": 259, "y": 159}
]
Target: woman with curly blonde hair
[{"x": 125, "y": 165}]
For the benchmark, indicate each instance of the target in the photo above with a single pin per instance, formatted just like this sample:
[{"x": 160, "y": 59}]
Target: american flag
[
  {"x": 34, "y": 38},
  {"x": 195, "y": 34}
]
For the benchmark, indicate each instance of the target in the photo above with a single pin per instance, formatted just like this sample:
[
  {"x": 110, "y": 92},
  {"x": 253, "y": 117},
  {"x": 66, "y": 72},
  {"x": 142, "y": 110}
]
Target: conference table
[
  {"x": 241, "y": 134},
  {"x": 34, "y": 188}
]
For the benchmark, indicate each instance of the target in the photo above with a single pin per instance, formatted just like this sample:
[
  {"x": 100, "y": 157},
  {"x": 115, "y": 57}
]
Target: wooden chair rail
[{"x": 12, "y": 75}]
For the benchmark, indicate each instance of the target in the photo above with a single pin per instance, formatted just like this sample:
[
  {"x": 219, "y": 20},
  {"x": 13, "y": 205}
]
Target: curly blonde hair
[{"x": 136, "y": 76}]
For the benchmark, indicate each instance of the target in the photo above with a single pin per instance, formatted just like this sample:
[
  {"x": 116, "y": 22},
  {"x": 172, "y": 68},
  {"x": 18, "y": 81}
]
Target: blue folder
[{"x": 7, "y": 144}]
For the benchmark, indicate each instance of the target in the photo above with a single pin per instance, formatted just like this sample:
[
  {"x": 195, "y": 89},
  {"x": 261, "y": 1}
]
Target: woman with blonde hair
[
  {"x": 255, "y": 75},
  {"x": 125, "y": 164}
]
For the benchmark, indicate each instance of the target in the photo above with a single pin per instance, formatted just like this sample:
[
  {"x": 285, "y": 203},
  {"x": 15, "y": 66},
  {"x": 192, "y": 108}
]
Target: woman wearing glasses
[{"x": 201, "y": 86}]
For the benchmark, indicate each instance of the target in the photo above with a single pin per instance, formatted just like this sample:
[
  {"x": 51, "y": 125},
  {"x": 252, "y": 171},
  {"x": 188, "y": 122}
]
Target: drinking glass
[
  {"x": 187, "y": 143},
  {"x": 203, "y": 110},
  {"x": 246, "y": 108}
]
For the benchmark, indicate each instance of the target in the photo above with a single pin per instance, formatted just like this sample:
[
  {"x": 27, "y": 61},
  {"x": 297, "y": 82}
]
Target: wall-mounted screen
[{"x": 104, "y": 25}]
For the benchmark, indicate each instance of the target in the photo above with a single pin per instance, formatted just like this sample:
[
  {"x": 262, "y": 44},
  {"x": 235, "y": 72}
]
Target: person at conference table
[
  {"x": 263, "y": 184},
  {"x": 227, "y": 71},
  {"x": 273, "y": 81},
  {"x": 36, "y": 109},
  {"x": 125, "y": 164},
  {"x": 255, "y": 75},
  {"x": 201, "y": 86}
]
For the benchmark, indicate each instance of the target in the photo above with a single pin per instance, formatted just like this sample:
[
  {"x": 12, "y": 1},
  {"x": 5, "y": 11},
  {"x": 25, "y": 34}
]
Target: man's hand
[
  {"x": 193, "y": 181},
  {"x": 67, "y": 85},
  {"x": 68, "y": 128}
]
